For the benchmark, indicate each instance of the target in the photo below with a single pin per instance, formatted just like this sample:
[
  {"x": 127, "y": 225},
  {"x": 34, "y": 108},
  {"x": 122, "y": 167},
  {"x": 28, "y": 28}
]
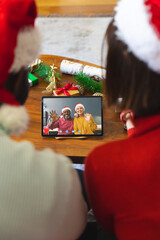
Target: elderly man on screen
[{"x": 64, "y": 123}]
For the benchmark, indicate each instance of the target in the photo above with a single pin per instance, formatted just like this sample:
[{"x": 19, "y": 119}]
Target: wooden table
[
  {"x": 76, "y": 8},
  {"x": 77, "y": 149}
]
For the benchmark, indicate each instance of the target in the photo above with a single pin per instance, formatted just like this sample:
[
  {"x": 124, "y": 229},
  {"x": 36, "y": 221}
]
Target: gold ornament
[
  {"x": 98, "y": 94},
  {"x": 53, "y": 81},
  {"x": 34, "y": 65}
]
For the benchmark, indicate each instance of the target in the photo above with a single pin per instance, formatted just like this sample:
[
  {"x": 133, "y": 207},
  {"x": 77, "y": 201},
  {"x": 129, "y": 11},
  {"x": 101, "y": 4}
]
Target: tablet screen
[{"x": 72, "y": 116}]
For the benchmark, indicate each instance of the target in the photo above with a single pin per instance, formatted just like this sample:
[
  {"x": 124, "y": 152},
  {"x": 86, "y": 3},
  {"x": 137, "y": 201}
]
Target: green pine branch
[
  {"x": 88, "y": 83},
  {"x": 44, "y": 71}
]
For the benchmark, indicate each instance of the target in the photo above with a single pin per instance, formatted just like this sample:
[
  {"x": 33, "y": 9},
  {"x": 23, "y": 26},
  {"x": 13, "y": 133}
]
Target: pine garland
[
  {"x": 44, "y": 71},
  {"x": 88, "y": 83},
  {"x": 58, "y": 75}
]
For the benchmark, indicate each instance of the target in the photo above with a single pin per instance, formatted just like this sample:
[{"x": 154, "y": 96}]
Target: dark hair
[
  {"x": 130, "y": 78},
  {"x": 17, "y": 84}
]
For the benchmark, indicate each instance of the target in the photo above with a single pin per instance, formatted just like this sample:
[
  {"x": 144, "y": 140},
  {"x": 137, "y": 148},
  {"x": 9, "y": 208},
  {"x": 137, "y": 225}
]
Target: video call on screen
[{"x": 84, "y": 121}]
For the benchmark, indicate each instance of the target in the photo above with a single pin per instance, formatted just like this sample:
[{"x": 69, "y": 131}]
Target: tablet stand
[{"x": 59, "y": 138}]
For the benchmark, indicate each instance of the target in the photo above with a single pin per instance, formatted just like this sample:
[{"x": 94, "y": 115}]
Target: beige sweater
[{"x": 40, "y": 194}]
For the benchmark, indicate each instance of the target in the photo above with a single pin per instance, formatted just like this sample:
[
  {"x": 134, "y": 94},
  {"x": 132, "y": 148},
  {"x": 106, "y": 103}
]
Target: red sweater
[
  {"x": 123, "y": 183},
  {"x": 65, "y": 127}
]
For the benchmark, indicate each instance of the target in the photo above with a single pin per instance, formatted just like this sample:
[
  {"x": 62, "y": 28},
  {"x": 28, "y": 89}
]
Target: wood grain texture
[
  {"x": 73, "y": 8},
  {"x": 113, "y": 128}
]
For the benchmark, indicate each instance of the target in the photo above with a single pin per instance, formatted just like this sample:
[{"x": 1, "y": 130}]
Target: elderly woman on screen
[{"x": 84, "y": 123}]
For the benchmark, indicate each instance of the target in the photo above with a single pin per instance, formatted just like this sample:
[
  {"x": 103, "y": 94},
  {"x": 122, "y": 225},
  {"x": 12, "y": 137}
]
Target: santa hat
[
  {"x": 20, "y": 45},
  {"x": 79, "y": 105},
  {"x": 66, "y": 108},
  {"x": 138, "y": 26}
]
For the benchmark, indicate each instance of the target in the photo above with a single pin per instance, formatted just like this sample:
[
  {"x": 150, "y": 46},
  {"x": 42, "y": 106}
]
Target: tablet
[{"x": 72, "y": 116}]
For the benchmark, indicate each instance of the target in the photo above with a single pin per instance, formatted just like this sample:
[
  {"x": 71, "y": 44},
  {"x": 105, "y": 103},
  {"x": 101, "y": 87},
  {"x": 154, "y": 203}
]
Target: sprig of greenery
[
  {"x": 58, "y": 75},
  {"x": 44, "y": 71},
  {"x": 88, "y": 83}
]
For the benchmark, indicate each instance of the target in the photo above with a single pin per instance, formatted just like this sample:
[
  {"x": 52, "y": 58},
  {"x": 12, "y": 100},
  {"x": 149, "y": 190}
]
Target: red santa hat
[
  {"x": 138, "y": 24},
  {"x": 20, "y": 45},
  {"x": 79, "y": 105},
  {"x": 66, "y": 108}
]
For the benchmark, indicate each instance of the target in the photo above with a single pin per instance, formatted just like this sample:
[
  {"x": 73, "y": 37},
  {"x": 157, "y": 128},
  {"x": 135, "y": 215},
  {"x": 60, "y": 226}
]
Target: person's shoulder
[
  {"x": 25, "y": 151},
  {"x": 109, "y": 146},
  {"x": 107, "y": 151},
  {"x": 76, "y": 119},
  {"x": 15, "y": 147}
]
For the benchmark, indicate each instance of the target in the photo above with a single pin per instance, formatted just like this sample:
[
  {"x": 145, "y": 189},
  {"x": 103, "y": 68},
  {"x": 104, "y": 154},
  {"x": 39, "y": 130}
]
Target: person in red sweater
[{"x": 122, "y": 177}]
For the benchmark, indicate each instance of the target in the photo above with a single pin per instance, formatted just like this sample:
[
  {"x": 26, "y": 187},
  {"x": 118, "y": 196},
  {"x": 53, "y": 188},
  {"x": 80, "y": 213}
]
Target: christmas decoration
[
  {"x": 49, "y": 74},
  {"x": 71, "y": 68},
  {"x": 52, "y": 81},
  {"x": 98, "y": 94},
  {"x": 43, "y": 71},
  {"x": 32, "y": 79},
  {"x": 88, "y": 83},
  {"x": 67, "y": 90},
  {"x": 81, "y": 89},
  {"x": 35, "y": 65},
  {"x": 96, "y": 73}
]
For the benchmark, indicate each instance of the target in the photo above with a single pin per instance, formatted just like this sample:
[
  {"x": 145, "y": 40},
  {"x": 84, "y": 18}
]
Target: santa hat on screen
[
  {"x": 66, "y": 108},
  {"x": 20, "y": 45},
  {"x": 138, "y": 26},
  {"x": 79, "y": 105},
  {"x": 76, "y": 106}
]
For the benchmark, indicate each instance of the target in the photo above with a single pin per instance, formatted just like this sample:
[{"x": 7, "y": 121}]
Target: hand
[
  {"x": 54, "y": 116},
  {"x": 126, "y": 115},
  {"x": 87, "y": 117}
]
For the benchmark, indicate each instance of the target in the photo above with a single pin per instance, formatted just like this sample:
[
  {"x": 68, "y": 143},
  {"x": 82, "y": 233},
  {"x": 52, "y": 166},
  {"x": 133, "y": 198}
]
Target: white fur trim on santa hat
[
  {"x": 66, "y": 108},
  {"x": 14, "y": 119},
  {"x": 27, "y": 49},
  {"x": 132, "y": 19},
  {"x": 79, "y": 105}
]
